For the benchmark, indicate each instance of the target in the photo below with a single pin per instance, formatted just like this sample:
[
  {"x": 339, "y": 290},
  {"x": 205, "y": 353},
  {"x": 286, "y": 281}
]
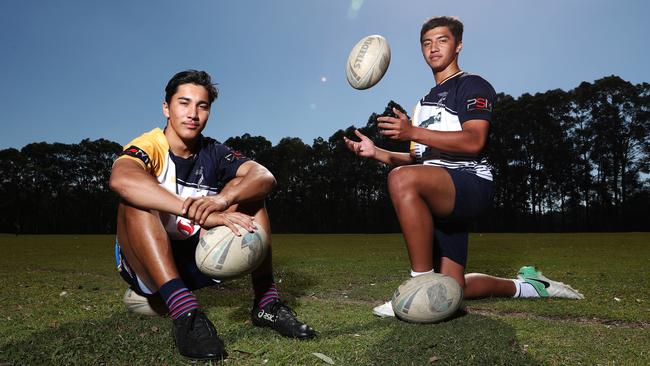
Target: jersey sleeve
[
  {"x": 227, "y": 161},
  {"x": 148, "y": 150},
  {"x": 476, "y": 99}
]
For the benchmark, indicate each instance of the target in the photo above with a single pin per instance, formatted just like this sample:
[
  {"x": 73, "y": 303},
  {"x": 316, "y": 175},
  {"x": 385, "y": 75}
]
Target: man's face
[
  {"x": 188, "y": 110},
  {"x": 439, "y": 48}
]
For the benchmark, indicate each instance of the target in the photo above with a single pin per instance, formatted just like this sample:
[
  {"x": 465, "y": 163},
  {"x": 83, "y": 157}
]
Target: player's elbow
[
  {"x": 120, "y": 183},
  {"x": 474, "y": 149},
  {"x": 116, "y": 183},
  {"x": 475, "y": 144},
  {"x": 268, "y": 181}
]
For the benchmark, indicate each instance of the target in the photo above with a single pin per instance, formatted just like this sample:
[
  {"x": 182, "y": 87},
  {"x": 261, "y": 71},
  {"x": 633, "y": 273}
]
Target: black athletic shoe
[
  {"x": 279, "y": 317},
  {"x": 195, "y": 337}
]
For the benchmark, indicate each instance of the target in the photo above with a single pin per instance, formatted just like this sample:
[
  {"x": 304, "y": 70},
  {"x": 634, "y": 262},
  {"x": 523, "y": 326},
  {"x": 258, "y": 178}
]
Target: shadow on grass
[
  {"x": 465, "y": 339},
  {"x": 121, "y": 339},
  {"x": 239, "y": 293},
  {"x": 129, "y": 339}
]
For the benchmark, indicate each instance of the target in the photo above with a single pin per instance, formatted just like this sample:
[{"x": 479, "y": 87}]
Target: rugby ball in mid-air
[
  {"x": 142, "y": 305},
  {"x": 427, "y": 298},
  {"x": 223, "y": 255},
  {"x": 368, "y": 62}
]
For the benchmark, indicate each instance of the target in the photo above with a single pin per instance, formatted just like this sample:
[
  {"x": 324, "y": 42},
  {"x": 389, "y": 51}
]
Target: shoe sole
[
  {"x": 221, "y": 357},
  {"x": 383, "y": 315},
  {"x": 302, "y": 338}
]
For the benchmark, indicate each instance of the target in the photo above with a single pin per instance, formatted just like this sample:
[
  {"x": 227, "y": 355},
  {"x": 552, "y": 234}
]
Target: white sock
[
  {"x": 415, "y": 274},
  {"x": 524, "y": 289}
]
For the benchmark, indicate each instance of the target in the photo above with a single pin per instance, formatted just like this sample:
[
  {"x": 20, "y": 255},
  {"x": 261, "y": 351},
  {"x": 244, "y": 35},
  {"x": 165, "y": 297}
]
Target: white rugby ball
[
  {"x": 137, "y": 304},
  {"x": 223, "y": 255},
  {"x": 427, "y": 298},
  {"x": 368, "y": 62}
]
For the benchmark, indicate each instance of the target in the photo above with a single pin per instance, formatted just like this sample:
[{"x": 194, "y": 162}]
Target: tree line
[{"x": 563, "y": 161}]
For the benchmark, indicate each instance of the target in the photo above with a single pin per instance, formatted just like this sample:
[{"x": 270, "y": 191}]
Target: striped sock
[
  {"x": 265, "y": 291},
  {"x": 178, "y": 298}
]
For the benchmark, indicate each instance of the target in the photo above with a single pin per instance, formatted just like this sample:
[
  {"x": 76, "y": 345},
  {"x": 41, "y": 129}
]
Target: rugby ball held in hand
[
  {"x": 427, "y": 298},
  {"x": 368, "y": 62},
  {"x": 222, "y": 255}
]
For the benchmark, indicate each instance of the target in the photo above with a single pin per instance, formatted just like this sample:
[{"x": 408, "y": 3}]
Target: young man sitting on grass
[{"x": 175, "y": 183}]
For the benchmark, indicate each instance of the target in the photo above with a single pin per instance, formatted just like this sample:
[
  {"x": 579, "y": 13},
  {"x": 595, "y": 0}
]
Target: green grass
[{"x": 61, "y": 303}]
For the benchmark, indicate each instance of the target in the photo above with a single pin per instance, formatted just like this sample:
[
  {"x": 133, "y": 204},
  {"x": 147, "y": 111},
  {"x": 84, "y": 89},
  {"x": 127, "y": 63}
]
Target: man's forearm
[{"x": 255, "y": 185}]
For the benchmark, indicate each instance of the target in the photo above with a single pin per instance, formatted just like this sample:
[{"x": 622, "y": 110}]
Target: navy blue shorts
[
  {"x": 473, "y": 197},
  {"x": 183, "y": 252}
]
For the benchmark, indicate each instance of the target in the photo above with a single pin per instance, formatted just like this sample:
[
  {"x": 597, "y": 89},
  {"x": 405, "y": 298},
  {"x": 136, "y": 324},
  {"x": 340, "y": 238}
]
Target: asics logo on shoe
[{"x": 267, "y": 316}]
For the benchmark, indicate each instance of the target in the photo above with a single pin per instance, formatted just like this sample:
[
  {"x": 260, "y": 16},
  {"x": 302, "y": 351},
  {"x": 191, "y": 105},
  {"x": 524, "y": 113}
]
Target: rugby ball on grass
[
  {"x": 223, "y": 255},
  {"x": 368, "y": 62},
  {"x": 428, "y": 298},
  {"x": 150, "y": 306}
]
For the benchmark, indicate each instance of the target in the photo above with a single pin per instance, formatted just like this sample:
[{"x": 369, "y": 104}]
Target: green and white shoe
[{"x": 546, "y": 287}]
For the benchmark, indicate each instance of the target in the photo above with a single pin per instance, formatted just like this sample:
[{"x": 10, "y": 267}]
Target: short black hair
[
  {"x": 201, "y": 78},
  {"x": 454, "y": 24}
]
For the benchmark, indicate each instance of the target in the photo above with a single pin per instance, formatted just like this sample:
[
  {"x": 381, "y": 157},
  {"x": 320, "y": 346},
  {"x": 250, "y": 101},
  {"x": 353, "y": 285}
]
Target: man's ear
[
  {"x": 165, "y": 109},
  {"x": 459, "y": 46}
]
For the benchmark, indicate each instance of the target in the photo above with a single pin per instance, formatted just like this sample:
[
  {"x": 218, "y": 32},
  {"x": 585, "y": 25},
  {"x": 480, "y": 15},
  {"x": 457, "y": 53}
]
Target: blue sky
[{"x": 80, "y": 69}]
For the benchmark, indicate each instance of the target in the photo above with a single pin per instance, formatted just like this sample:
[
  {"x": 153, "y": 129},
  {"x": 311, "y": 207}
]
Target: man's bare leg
[
  {"x": 268, "y": 310},
  {"x": 147, "y": 249}
]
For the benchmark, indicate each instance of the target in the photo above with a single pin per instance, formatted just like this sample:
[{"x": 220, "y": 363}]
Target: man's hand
[
  {"x": 399, "y": 128},
  {"x": 198, "y": 209},
  {"x": 229, "y": 219},
  {"x": 365, "y": 147}
]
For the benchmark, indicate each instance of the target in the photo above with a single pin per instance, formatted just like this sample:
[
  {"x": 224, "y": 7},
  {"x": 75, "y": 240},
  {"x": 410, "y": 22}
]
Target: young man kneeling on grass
[
  {"x": 175, "y": 183},
  {"x": 445, "y": 181}
]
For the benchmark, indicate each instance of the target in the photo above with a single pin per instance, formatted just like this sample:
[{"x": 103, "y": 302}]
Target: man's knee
[
  {"x": 399, "y": 179},
  {"x": 250, "y": 208},
  {"x": 135, "y": 222},
  {"x": 130, "y": 213}
]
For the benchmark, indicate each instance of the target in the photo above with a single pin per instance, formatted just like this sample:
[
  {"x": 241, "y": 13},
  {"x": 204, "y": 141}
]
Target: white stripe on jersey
[{"x": 437, "y": 117}]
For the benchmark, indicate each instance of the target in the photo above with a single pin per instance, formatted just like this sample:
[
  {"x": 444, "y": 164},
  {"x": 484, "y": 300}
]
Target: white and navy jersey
[
  {"x": 448, "y": 105},
  {"x": 204, "y": 174}
]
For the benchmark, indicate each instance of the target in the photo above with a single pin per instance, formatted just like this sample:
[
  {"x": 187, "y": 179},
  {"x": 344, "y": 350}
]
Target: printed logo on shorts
[
  {"x": 184, "y": 226},
  {"x": 137, "y": 153},
  {"x": 479, "y": 104}
]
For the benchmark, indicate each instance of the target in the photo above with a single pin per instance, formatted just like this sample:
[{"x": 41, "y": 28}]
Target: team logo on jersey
[
  {"x": 442, "y": 97},
  {"x": 199, "y": 173},
  {"x": 234, "y": 155},
  {"x": 479, "y": 104},
  {"x": 432, "y": 120},
  {"x": 137, "y": 153}
]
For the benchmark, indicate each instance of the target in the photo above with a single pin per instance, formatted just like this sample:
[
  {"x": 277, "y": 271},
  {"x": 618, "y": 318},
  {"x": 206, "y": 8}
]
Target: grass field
[{"x": 61, "y": 303}]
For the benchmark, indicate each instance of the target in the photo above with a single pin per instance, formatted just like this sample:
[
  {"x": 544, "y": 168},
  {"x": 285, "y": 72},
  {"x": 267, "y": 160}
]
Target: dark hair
[
  {"x": 454, "y": 24},
  {"x": 201, "y": 78}
]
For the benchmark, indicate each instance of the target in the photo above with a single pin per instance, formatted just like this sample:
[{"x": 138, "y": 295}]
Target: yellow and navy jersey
[
  {"x": 203, "y": 174},
  {"x": 448, "y": 105}
]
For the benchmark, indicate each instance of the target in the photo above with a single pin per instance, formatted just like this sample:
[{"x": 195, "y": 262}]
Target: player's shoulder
[
  {"x": 148, "y": 148},
  {"x": 155, "y": 136},
  {"x": 213, "y": 148},
  {"x": 210, "y": 144},
  {"x": 473, "y": 81}
]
